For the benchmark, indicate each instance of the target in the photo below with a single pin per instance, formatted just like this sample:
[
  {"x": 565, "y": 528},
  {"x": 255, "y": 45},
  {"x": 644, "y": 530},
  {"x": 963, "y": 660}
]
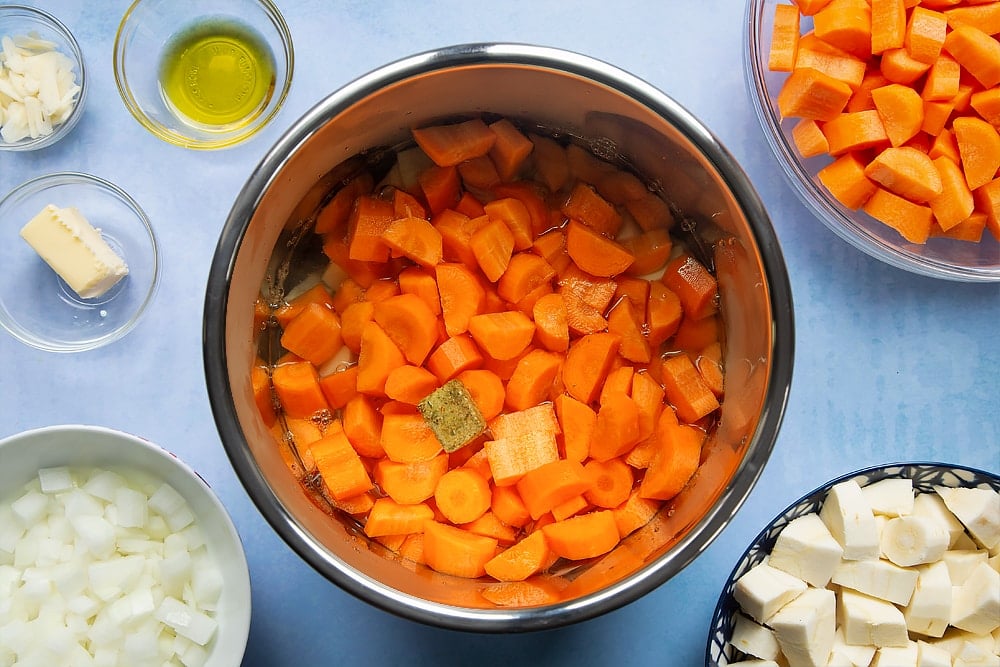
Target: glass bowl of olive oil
[{"x": 203, "y": 74}]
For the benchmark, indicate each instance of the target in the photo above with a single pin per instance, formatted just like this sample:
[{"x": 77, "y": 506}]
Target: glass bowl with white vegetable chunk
[
  {"x": 80, "y": 261},
  {"x": 896, "y": 564},
  {"x": 43, "y": 82},
  {"x": 124, "y": 547}
]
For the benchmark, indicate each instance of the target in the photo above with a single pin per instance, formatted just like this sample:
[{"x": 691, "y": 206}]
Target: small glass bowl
[
  {"x": 36, "y": 306},
  {"x": 147, "y": 28},
  {"x": 939, "y": 257},
  {"x": 924, "y": 475},
  {"x": 18, "y": 20}
]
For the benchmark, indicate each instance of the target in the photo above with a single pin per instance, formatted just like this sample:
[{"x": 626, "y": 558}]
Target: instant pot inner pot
[{"x": 360, "y": 126}]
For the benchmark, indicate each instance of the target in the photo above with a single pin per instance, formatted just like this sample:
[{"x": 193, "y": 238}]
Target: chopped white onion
[
  {"x": 38, "y": 87},
  {"x": 100, "y": 568}
]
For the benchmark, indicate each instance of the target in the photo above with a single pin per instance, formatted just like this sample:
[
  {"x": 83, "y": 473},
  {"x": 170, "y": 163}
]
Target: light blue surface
[{"x": 889, "y": 366}]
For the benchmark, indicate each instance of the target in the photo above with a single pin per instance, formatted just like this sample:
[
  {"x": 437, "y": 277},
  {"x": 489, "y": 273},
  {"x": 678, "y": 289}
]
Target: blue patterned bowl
[{"x": 925, "y": 476}]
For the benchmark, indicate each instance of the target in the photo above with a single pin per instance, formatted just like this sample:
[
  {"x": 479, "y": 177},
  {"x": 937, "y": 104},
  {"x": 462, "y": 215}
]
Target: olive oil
[{"x": 217, "y": 73}]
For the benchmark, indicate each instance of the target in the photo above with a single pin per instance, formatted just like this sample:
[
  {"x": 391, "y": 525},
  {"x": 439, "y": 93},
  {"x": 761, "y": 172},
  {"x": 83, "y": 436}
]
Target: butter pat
[{"x": 75, "y": 250}]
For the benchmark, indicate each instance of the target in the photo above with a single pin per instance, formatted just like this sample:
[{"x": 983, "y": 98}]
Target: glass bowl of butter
[
  {"x": 80, "y": 261},
  {"x": 42, "y": 78},
  {"x": 203, "y": 74}
]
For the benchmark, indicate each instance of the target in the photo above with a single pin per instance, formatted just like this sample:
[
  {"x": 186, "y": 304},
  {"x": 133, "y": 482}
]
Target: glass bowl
[
  {"x": 36, "y": 306},
  {"x": 939, "y": 257},
  {"x": 85, "y": 447},
  {"x": 925, "y": 476},
  {"x": 18, "y": 21},
  {"x": 199, "y": 28}
]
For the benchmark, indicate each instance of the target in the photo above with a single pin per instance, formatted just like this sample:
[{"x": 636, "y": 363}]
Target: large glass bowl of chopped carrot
[
  {"x": 495, "y": 360},
  {"x": 884, "y": 117}
]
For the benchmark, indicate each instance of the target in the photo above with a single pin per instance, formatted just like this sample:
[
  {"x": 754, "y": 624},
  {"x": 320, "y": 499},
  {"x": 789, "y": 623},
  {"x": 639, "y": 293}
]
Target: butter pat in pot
[{"x": 75, "y": 250}]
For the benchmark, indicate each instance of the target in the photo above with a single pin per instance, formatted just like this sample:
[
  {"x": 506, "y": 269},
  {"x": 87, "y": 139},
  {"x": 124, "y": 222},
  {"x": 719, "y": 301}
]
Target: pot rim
[{"x": 697, "y": 538}]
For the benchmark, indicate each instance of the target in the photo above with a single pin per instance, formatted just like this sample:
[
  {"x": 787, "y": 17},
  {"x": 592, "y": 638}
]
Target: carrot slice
[
  {"x": 369, "y": 219},
  {"x": 674, "y": 463},
  {"x": 617, "y": 427},
  {"x": 888, "y": 25},
  {"x": 976, "y": 51},
  {"x": 595, "y": 253},
  {"x": 987, "y": 104},
  {"x": 502, "y": 335},
  {"x": 479, "y": 172},
  {"x": 809, "y": 93},
  {"x": 693, "y": 284},
  {"x": 451, "y": 550},
  {"x": 313, "y": 334},
  {"x": 363, "y": 426},
  {"x": 549, "y": 158},
  {"x": 340, "y": 466},
  {"x": 985, "y": 16},
  {"x": 409, "y": 323},
  {"x": 387, "y": 517},
  {"x": 587, "y": 363},
  {"x": 586, "y": 206},
  {"x": 901, "y": 110},
  {"x": 492, "y": 245},
  {"x": 532, "y": 379},
  {"x": 784, "y": 38},
  {"x": 406, "y": 438},
  {"x": 855, "y": 131},
  {"x": 907, "y": 172},
  {"x": 520, "y": 561},
  {"x": 461, "y": 294},
  {"x": 335, "y": 213},
  {"x": 925, "y": 34},
  {"x": 453, "y": 356},
  {"x": 686, "y": 390},
  {"x": 297, "y": 387},
  {"x": 377, "y": 358},
  {"x": 899, "y": 66},
  {"x": 410, "y": 384},
  {"x": 507, "y": 505},
  {"x": 943, "y": 79},
  {"x": 846, "y": 180},
  {"x": 577, "y": 421},
  {"x": 550, "y": 484},
  {"x": 441, "y": 187},
  {"x": 415, "y": 239},
  {"x": 513, "y": 456},
  {"x": 610, "y": 482},
  {"x": 510, "y": 150},
  {"x": 648, "y": 396},
  {"x": 462, "y": 495},
  {"x": 624, "y": 321},
  {"x": 410, "y": 483},
  {"x": 912, "y": 221},
  {"x": 584, "y": 536},
  {"x": 955, "y": 203},
  {"x": 447, "y": 145},
  {"x": 809, "y": 138},
  {"x": 634, "y": 513},
  {"x": 979, "y": 146},
  {"x": 847, "y": 24}
]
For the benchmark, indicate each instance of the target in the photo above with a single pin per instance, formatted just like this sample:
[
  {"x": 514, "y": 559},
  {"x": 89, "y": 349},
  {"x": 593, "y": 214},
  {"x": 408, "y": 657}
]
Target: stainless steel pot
[{"x": 621, "y": 118}]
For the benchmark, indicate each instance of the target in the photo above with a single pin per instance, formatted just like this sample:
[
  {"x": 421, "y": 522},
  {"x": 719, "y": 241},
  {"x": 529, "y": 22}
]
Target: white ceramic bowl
[
  {"x": 938, "y": 258},
  {"x": 23, "y": 454},
  {"x": 41, "y": 310},
  {"x": 18, "y": 20},
  {"x": 925, "y": 476}
]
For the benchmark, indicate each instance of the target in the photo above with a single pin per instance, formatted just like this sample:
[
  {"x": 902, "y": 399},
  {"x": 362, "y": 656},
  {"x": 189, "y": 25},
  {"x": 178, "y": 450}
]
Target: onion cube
[
  {"x": 131, "y": 506},
  {"x": 186, "y": 620},
  {"x": 30, "y": 508},
  {"x": 55, "y": 479}
]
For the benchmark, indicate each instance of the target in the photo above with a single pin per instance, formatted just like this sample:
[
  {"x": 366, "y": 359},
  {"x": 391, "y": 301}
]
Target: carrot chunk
[
  {"x": 451, "y": 550},
  {"x": 583, "y": 536},
  {"x": 448, "y": 145}
]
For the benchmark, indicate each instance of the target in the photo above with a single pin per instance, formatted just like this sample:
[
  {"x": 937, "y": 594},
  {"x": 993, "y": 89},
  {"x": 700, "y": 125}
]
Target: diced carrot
[
  {"x": 377, "y": 358},
  {"x": 942, "y": 82},
  {"x": 441, "y": 187},
  {"x": 486, "y": 389},
  {"x": 457, "y": 354},
  {"x": 846, "y": 180},
  {"x": 502, "y": 335},
  {"x": 340, "y": 386},
  {"x": 456, "y": 230},
  {"x": 624, "y": 321},
  {"x": 451, "y": 550},
  {"x": 414, "y": 280},
  {"x": 925, "y": 34},
  {"x": 479, "y": 173},
  {"x": 809, "y": 93},
  {"x": 583, "y": 536},
  {"x": 695, "y": 335},
  {"x": 410, "y": 384},
  {"x": 985, "y": 16},
  {"x": 634, "y": 513},
  {"x": 693, "y": 284},
  {"x": 407, "y": 438},
  {"x": 618, "y": 381},
  {"x": 461, "y": 294},
  {"x": 525, "y": 273},
  {"x": 955, "y": 202},
  {"x": 861, "y": 99},
  {"x": 335, "y": 213},
  {"x": 663, "y": 313},
  {"x": 635, "y": 290},
  {"x": 261, "y": 384},
  {"x": 987, "y": 199},
  {"x": 912, "y": 221},
  {"x": 340, "y": 466},
  {"x": 619, "y": 186},
  {"x": 888, "y": 25},
  {"x": 674, "y": 463},
  {"x": 410, "y": 483},
  {"x": 520, "y": 561},
  {"x": 975, "y": 51},
  {"x": 847, "y": 24},
  {"x": 296, "y": 385},
  {"x": 971, "y": 229},
  {"x": 405, "y": 205},
  {"x": 987, "y": 103},
  {"x": 944, "y": 145},
  {"x": 489, "y": 525},
  {"x": 784, "y": 38},
  {"x": 648, "y": 396},
  {"x": 577, "y": 422},
  {"x": 551, "y": 246},
  {"x": 513, "y": 456},
  {"x": 363, "y": 426},
  {"x": 610, "y": 482},
  {"x": 532, "y": 379},
  {"x": 521, "y": 593},
  {"x": 595, "y": 253},
  {"x": 415, "y": 239},
  {"x": 617, "y": 427},
  {"x": 380, "y": 290},
  {"x": 449, "y": 144},
  {"x": 822, "y": 56},
  {"x": 979, "y": 146},
  {"x": 550, "y": 484},
  {"x": 906, "y": 172},
  {"x": 515, "y": 215},
  {"x": 900, "y": 67},
  {"x": 650, "y": 251},
  {"x": 550, "y": 163},
  {"x": 901, "y": 110},
  {"x": 586, "y": 206},
  {"x": 651, "y": 212},
  {"x": 492, "y": 245},
  {"x": 507, "y": 505},
  {"x": 709, "y": 364},
  {"x": 570, "y": 507},
  {"x": 587, "y": 363},
  {"x": 510, "y": 150},
  {"x": 369, "y": 218},
  {"x": 358, "y": 505},
  {"x": 810, "y": 7},
  {"x": 532, "y": 195},
  {"x": 538, "y": 419},
  {"x": 469, "y": 206},
  {"x": 353, "y": 321},
  {"x": 809, "y": 138},
  {"x": 685, "y": 389},
  {"x": 855, "y": 131},
  {"x": 462, "y": 495},
  {"x": 318, "y": 294},
  {"x": 387, "y": 517},
  {"x": 349, "y": 291}
]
